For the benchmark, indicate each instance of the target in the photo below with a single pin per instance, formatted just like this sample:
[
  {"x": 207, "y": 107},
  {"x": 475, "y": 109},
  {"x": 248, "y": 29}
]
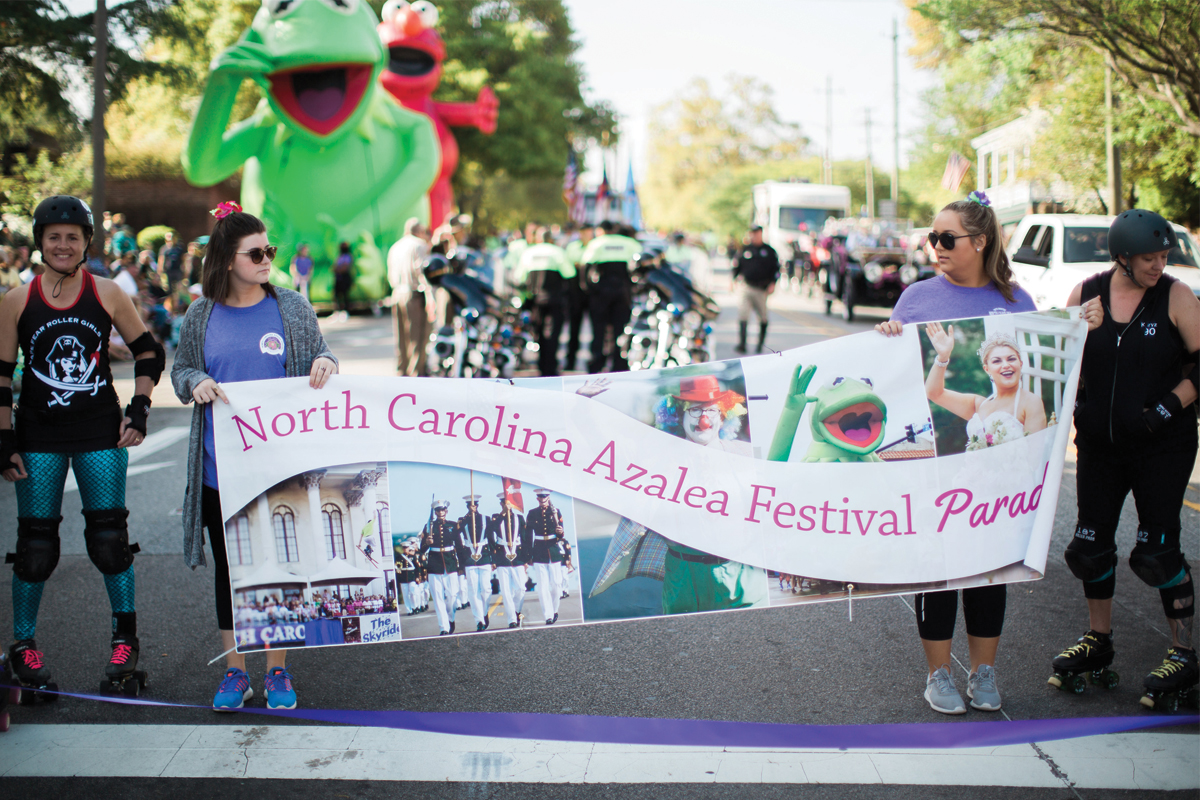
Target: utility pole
[
  {"x": 99, "y": 69},
  {"x": 896, "y": 115},
  {"x": 870, "y": 171},
  {"x": 1112, "y": 151},
  {"x": 827, "y": 167}
]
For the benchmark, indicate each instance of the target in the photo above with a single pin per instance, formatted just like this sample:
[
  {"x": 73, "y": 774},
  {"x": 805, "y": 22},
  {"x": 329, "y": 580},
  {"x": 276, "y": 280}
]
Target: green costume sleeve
[{"x": 789, "y": 418}]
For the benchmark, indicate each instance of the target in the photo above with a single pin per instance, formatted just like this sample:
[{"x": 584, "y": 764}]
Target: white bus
[{"x": 780, "y": 208}]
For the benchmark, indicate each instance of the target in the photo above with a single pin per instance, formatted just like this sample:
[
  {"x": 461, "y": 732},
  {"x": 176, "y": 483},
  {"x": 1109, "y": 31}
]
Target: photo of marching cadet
[
  {"x": 633, "y": 571},
  {"x": 311, "y": 561},
  {"x": 510, "y": 561}
]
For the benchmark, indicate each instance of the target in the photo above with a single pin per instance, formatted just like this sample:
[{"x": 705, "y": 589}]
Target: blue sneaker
[
  {"x": 234, "y": 690},
  {"x": 280, "y": 693}
]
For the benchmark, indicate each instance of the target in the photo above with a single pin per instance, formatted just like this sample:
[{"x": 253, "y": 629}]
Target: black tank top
[
  {"x": 1127, "y": 368},
  {"x": 67, "y": 401}
]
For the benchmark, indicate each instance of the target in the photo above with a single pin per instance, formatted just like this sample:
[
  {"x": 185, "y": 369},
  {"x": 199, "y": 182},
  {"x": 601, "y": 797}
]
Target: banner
[{"x": 865, "y": 465}]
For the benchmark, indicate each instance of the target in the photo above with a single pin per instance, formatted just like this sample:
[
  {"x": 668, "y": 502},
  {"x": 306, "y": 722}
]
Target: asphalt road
[{"x": 807, "y": 664}]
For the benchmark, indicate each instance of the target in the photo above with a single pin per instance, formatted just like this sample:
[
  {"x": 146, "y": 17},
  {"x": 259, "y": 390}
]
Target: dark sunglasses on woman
[
  {"x": 947, "y": 240},
  {"x": 256, "y": 254}
]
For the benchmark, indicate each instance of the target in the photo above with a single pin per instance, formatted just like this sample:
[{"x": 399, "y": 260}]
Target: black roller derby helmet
[
  {"x": 1138, "y": 231},
  {"x": 66, "y": 210}
]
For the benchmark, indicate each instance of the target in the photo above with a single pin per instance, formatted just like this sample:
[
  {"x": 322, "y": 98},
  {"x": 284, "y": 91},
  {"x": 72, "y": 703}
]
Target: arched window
[
  {"x": 237, "y": 541},
  {"x": 383, "y": 520},
  {"x": 335, "y": 539},
  {"x": 284, "y": 523}
]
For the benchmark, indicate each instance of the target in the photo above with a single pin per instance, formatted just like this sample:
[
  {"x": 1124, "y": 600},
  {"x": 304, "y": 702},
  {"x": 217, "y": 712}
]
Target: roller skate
[
  {"x": 9, "y": 692},
  {"x": 122, "y": 676},
  {"x": 1174, "y": 682},
  {"x": 31, "y": 673},
  {"x": 1090, "y": 656}
]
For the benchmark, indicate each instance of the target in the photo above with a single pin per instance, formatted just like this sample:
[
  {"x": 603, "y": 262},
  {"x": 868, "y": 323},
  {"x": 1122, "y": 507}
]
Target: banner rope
[{"x": 707, "y": 733}]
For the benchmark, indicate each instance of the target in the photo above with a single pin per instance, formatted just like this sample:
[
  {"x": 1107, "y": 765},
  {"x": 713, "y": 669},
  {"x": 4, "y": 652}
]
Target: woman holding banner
[
  {"x": 975, "y": 281},
  {"x": 242, "y": 329}
]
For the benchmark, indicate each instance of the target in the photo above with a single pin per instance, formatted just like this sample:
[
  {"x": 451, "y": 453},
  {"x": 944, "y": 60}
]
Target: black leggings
[
  {"x": 210, "y": 514},
  {"x": 983, "y": 609},
  {"x": 1158, "y": 477}
]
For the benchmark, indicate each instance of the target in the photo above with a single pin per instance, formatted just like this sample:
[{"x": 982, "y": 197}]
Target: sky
[{"x": 638, "y": 55}]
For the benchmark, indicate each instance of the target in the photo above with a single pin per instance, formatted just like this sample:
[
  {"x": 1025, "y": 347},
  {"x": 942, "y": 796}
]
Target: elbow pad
[
  {"x": 7, "y": 368},
  {"x": 151, "y": 368}
]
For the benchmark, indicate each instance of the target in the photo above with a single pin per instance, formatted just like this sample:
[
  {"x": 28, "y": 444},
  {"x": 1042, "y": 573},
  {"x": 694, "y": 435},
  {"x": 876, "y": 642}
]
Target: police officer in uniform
[
  {"x": 606, "y": 263},
  {"x": 510, "y": 549},
  {"x": 756, "y": 270},
  {"x": 439, "y": 539},
  {"x": 577, "y": 297},
  {"x": 545, "y": 524},
  {"x": 475, "y": 555}
]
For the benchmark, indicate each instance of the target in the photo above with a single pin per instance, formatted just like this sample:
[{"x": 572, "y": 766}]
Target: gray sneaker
[
  {"x": 981, "y": 688},
  {"x": 941, "y": 693}
]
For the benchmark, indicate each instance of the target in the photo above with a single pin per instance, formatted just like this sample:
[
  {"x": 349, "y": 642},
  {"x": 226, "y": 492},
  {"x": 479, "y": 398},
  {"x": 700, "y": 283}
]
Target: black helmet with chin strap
[
  {"x": 1138, "y": 231},
  {"x": 66, "y": 210}
]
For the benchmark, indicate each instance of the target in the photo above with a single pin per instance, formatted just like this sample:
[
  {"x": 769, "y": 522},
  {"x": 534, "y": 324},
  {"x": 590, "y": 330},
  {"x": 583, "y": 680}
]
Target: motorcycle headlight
[
  {"x": 909, "y": 274},
  {"x": 692, "y": 319},
  {"x": 872, "y": 271}
]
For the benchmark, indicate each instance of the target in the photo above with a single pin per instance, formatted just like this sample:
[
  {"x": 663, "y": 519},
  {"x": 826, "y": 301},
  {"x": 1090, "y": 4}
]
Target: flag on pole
[
  {"x": 570, "y": 189},
  {"x": 512, "y": 494},
  {"x": 631, "y": 206},
  {"x": 956, "y": 169},
  {"x": 603, "y": 191}
]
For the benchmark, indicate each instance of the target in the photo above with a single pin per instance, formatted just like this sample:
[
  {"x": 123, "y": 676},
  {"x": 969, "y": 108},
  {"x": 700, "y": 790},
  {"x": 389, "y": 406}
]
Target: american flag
[
  {"x": 570, "y": 190},
  {"x": 603, "y": 191},
  {"x": 956, "y": 169}
]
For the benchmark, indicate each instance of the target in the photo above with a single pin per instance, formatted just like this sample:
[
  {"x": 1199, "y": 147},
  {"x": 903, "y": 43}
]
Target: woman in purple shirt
[
  {"x": 242, "y": 329},
  {"x": 975, "y": 281}
]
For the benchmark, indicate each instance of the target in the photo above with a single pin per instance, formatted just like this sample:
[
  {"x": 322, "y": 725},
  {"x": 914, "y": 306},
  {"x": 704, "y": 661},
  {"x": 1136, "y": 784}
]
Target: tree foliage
[
  {"x": 705, "y": 147},
  {"x": 998, "y": 59}
]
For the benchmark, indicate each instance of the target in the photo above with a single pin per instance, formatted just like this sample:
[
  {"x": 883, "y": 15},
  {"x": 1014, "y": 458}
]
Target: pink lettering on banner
[{"x": 957, "y": 501}]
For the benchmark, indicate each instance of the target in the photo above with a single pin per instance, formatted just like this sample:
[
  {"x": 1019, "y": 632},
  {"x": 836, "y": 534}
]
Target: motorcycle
[
  {"x": 671, "y": 320},
  {"x": 463, "y": 347}
]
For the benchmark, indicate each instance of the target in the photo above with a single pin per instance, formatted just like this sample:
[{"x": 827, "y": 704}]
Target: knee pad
[
  {"x": 1179, "y": 591},
  {"x": 1088, "y": 559},
  {"x": 1157, "y": 559},
  {"x": 106, "y": 534},
  {"x": 37, "y": 549}
]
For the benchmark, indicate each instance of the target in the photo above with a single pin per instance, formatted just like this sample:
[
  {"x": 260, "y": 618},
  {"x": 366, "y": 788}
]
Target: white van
[
  {"x": 781, "y": 207},
  {"x": 1051, "y": 253}
]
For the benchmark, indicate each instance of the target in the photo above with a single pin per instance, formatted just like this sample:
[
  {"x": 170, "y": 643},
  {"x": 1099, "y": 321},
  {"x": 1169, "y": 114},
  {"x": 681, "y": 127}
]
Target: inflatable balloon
[
  {"x": 414, "y": 69},
  {"x": 328, "y": 157}
]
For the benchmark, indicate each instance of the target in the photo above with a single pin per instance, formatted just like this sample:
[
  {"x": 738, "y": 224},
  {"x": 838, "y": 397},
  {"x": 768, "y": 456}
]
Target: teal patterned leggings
[{"x": 100, "y": 475}]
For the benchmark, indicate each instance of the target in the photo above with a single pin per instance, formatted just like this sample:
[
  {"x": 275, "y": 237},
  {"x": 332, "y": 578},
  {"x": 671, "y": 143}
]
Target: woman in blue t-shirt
[
  {"x": 242, "y": 329},
  {"x": 975, "y": 281}
]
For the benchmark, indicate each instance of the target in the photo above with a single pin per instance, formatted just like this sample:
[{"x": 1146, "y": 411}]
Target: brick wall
[{"x": 169, "y": 201}]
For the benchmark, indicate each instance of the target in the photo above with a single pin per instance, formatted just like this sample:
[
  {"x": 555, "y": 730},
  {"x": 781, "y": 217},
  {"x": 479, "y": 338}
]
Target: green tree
[{"x": 703, "y": 143}]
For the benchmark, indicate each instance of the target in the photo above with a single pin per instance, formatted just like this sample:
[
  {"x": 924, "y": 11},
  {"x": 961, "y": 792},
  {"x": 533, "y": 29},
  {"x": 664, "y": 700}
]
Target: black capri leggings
[
  {"x": 983, "y": 609},
  {"x": 210, "y": 514}
]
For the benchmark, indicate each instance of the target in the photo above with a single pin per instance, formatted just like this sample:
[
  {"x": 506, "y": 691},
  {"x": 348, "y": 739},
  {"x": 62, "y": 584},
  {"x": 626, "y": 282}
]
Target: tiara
[
  {"x": 994, "y": 341},
  {"x": 225, "y": 209}
]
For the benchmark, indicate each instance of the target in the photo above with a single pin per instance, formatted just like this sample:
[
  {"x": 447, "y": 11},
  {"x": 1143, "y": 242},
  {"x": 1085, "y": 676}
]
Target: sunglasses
[
  {"x": 256, "y": 254},
  {"x": 947, "y": 239}
]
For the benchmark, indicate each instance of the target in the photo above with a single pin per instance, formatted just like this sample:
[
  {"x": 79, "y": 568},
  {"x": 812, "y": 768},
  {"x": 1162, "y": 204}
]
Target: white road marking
[
  {"x": 1139, "y": 761},
  {"x": 152, "y": 444}
]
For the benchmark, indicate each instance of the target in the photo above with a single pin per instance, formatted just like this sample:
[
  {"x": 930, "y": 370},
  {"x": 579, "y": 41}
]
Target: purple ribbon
[{"x": 712, "y": 733}]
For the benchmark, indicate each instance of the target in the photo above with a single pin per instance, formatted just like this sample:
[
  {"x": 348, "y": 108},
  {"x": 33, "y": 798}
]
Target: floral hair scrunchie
[
  {"x": 980, "y": 198},
  {"x": 225, "y": 209}
]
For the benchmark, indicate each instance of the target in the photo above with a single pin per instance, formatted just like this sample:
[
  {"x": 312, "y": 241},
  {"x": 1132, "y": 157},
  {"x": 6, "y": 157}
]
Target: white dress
[{"x": 999, "y": 427}]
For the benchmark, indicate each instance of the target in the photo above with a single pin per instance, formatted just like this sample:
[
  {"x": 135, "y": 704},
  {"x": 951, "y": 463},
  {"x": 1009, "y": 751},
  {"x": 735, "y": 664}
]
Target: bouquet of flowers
[{"x": 996, "y": 430}]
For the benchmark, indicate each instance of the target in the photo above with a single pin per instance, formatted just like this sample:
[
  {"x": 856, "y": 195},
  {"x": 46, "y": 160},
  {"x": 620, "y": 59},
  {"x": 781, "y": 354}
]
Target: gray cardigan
[{"x": 304, "y": 344}]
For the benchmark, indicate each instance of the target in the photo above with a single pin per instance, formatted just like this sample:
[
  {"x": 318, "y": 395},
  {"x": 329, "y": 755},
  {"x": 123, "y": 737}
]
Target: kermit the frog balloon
[
  {"x": 328, "y": 156},
  {"x": 847, "y": 421}
]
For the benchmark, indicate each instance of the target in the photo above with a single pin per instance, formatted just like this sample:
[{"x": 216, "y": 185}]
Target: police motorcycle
[
  {"x": 463, "y": 347},
  {"x": 671, "y": 320}
]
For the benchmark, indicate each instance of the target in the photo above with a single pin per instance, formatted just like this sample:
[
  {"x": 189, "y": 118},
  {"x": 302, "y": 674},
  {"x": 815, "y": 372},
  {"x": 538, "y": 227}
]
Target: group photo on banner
[{"x": 381, "y": 509}]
